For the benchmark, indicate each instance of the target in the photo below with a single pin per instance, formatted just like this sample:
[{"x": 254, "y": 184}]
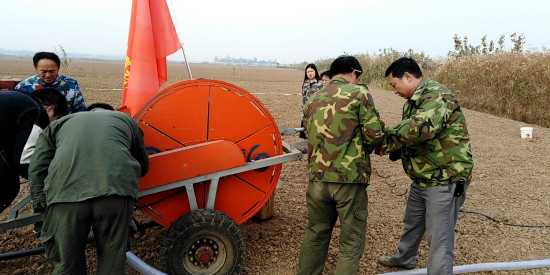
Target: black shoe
[{"x": 386, "y": 260}]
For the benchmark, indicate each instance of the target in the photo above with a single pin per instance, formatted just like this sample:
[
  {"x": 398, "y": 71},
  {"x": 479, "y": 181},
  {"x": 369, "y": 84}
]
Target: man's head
[
  {"x": 53, "y": 101},
  {"x": 101, "y": 106},
  {"x": 404, "y": 75},
  {"x": 347, "y": 67},
  {"x": 47, "y": 66}
]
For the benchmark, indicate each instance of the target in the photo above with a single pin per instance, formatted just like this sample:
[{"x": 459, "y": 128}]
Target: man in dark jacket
[
  {"x": 85, "y": 173},
  {"x": 22, "y": 118}
]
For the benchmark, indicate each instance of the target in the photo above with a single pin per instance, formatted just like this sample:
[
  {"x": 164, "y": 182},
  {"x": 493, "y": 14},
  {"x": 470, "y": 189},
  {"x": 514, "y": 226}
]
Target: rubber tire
[{"x": 200, "y": 224}]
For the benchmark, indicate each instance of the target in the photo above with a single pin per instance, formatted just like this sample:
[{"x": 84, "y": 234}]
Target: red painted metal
[
  {"x": 197, "y": 127},
  {"x": 8, "y": 84}
]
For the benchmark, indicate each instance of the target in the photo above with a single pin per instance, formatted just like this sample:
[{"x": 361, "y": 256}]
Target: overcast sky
[{"x": 289, "y": 31}]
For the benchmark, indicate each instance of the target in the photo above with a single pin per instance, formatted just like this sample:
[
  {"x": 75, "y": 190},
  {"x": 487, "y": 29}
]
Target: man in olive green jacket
[
  {"x": 342, "y": 128},
  {"x": 85, "y": 173},
  {"x": 434, "y": 147}
]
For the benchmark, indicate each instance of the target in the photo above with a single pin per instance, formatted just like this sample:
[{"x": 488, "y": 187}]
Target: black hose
[
  {"x": 40, "y": 250},
  {"x": 22, "y": 253}
]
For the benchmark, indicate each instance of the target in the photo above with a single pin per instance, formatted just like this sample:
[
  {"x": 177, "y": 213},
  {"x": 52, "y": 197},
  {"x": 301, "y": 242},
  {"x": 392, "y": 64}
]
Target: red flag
[{"x": 152, "y": 37}]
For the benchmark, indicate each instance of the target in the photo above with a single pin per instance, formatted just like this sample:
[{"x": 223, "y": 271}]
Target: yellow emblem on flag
[{"x": 127, "y": 70}]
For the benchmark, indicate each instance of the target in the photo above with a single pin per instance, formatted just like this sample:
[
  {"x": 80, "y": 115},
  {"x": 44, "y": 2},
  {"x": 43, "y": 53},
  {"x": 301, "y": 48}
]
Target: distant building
[{"x": 245, "y": 62}]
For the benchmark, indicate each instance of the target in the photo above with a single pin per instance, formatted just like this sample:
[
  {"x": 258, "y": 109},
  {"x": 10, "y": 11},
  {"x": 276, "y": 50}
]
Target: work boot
[{"x": 386, "y": 260}]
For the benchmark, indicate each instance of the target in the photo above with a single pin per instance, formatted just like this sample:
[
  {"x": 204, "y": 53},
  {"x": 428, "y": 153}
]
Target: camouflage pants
[
  {"x": 66, "y": 227},
  {"x": 326, "y": 202},
  {"x": 433, "y": 210}
]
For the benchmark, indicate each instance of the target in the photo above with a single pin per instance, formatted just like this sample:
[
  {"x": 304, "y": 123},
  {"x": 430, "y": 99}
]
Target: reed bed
[{"x": 511, "y": 84}]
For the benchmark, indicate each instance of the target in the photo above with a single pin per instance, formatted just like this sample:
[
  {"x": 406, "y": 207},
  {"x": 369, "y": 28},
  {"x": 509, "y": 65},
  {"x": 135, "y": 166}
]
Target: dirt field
[{"x": 511, "y": 183}]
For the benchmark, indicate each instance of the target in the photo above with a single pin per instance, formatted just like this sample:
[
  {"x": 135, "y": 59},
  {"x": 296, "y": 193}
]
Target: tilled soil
[{"x": 511, "y": 184}]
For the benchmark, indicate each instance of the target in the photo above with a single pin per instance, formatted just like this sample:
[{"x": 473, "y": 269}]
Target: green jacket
[
  {"x": 342, "y": 128},
  {"x": 432, "y": 137},
  {"x": 87, "y": 155}
]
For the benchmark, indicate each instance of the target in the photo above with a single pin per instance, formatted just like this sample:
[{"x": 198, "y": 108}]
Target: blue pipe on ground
[
  {"x": 461, "y": 269},
  {"x": 141, "y": 266}
]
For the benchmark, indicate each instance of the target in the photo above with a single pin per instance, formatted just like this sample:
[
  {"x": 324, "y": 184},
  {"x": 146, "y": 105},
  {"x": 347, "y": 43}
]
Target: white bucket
[{"x": 526, "y": 132}]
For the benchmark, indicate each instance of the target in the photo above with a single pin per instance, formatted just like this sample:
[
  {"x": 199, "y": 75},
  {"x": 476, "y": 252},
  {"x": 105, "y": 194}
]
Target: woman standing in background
[
  {"x": 325, "y": 78},
  {"x": 312, "y": 84}
]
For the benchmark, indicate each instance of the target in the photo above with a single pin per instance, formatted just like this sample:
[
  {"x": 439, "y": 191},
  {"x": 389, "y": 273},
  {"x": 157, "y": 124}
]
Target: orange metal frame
[{"x": 197, "y": 127}]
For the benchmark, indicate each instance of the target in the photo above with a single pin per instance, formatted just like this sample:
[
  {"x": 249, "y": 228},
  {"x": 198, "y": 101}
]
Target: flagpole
[
  {"x": 177, "y": 30},
  {"x": 187, "y": 64}
]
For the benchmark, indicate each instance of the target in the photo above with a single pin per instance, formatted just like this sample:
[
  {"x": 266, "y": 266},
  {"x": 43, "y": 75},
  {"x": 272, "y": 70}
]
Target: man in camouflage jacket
[
  {"x": 434, "y": 147},
  {"x": 342, "y": 127}
]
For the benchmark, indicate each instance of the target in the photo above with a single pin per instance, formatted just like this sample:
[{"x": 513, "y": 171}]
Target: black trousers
[{"x": 9, "y": 183}]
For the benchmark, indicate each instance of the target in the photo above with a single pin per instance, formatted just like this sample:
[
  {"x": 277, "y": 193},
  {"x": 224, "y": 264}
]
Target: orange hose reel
[{"x": 194, "y": 128}]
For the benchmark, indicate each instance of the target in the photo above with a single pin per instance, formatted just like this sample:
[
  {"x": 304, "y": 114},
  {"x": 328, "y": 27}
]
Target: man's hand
[
  {"x": 395, "y": 155},
  {"x": 39, "y": 207},
  {"x": 379, "y": 151},
  {"x": 37, "y": 229}
]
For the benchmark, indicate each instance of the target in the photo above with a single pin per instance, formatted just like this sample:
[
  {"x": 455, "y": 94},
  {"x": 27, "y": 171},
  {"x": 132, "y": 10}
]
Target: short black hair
[
  {"x": 327, "y": 73},
  {"x": 51, "y": 96},
  {"x": 100, "y": 105},
  {"x": 47, "y": 55},
  {"x": 404, "y": 65},
  {"x": 345, "y": 64}
]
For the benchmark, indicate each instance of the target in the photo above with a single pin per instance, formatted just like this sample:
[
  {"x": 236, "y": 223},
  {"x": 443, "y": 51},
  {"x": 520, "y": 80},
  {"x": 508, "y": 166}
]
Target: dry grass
[
  {"x": 505, "y": 84},
  {"x": 510, "y": 85}
]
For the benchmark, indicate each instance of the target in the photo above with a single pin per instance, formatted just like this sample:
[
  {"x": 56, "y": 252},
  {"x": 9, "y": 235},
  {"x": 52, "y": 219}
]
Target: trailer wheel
[{"x": 204, "y": 241}]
